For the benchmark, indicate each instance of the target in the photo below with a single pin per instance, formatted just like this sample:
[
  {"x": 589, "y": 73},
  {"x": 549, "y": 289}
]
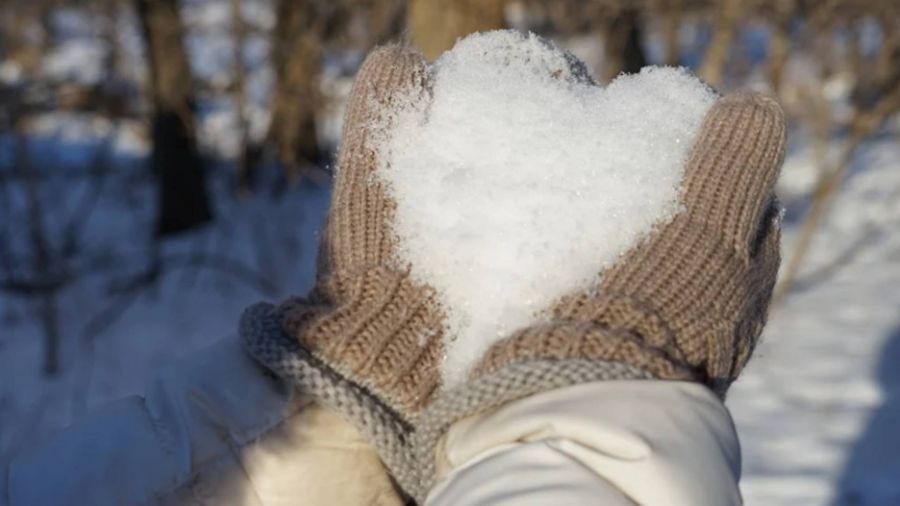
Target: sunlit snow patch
[{"x": 517, "y": 180}]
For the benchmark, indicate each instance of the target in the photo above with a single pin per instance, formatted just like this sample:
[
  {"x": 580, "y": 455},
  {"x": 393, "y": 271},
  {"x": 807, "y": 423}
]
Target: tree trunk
[
  {"x": 43, "y": 259},
  {"x": 436, "y": 24},
  {"x": 242, "y": 161},
  {"x": 622, "y": 46},
  {"x": 296, "y": 57},
  {"x": 183, "y": 199},
  {"x": 727, "y": 18},
  {"x": 672, "y": 12},
  {"x": 387, "y": 20},
  {"x": 779, "y": 50}
]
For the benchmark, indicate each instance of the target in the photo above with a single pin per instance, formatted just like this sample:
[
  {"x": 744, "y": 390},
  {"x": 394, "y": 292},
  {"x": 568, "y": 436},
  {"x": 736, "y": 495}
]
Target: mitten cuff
[
  {"x": 640, "y": 348},
  {"x": 376, "y": 327},
  {"x": 383, "y": 428},
  {"x": 494, "y": 389}
]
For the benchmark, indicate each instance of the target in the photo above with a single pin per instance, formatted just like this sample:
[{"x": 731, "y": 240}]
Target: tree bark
[
  {"x": 622, "y": 44},
  {"x": 726, "y": 21},
  {"x": 242, "y": 161},
  {"x": 387, "y": 20},
  {"x": 436, "y": 24},
  {"x": 43, "y": 260},
  {"x": 296, "y": 57},
  {"x": 672, "y": 13},
  {"x": 183, "y": 199},
  {"x": 779, "y": 49}
]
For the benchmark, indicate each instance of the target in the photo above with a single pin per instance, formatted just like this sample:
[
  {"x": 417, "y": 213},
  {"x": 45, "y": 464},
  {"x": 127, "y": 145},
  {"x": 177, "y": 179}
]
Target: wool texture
[
  {"x": 366, "y": 317},
  {"x": 686, "y": 303},
  {"x": 265, "y": 339}
]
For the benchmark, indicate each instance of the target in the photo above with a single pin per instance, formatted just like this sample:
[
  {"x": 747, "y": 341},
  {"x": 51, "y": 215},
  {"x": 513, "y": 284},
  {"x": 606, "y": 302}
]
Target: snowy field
[{"x": 817, "y": 409}]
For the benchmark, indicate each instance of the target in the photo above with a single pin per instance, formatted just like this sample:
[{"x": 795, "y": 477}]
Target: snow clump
[{"x": 517, "y": 180}]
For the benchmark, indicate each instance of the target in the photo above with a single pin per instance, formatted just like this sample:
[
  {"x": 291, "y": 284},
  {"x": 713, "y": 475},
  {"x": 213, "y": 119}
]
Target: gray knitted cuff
[
  {"x": 493, "y": 390},
  {"x": 384, "y": 429},
  {"x": 409, "y": 454}
]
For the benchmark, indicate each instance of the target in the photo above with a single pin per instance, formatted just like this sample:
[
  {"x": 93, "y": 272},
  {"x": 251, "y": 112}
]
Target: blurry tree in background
[
  {"x": 183, "y": 201},
  {"x": 297, "y": 58},
  {"x": 224, "y": 92},
  {"x": 726, "y": 19},
  {"x": 622, "y": 43},
  {"x": 840, "y": 33},
  {"x": 304, "y": 31},
  {"x": 436, "y": 24}
]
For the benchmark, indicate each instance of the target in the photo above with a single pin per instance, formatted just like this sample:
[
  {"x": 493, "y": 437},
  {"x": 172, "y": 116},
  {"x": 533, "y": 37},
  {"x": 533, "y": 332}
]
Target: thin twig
[{"x": 864, "y": 125}]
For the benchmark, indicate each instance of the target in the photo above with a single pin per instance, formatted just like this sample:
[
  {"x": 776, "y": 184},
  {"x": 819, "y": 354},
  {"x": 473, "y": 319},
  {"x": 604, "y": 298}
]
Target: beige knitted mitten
[
  {"x": 687, "y": 303},
  {"x": 368, "y": 340},
  {"x": 690, "y": 301},
  {"x": 377, "y": 327}
]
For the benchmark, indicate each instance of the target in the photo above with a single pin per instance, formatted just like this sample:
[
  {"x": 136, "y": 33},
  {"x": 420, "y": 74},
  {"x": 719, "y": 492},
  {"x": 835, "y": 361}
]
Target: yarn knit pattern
[
  {"x": 690, "y": 301},
  {"x": 366, "y": 318},
  {"x": 368, "y": 339},
  {"x": 408, "y": 451},
  {"x": 265, "y": 339},
  {"x": 687, "y": 303}
]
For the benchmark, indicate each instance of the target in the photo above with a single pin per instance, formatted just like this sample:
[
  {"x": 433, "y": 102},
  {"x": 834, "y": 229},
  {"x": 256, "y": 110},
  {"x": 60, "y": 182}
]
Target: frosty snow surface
[{"x": 517, "y": 180}]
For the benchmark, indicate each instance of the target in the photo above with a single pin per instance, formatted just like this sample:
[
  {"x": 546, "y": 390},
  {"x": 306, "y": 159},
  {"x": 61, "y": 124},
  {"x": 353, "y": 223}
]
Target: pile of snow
[{"x": 517, "y": 179}]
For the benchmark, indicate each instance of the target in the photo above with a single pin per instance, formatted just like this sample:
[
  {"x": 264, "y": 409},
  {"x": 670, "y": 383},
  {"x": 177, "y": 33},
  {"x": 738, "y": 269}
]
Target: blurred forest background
[{"x": 163, "y": 163}]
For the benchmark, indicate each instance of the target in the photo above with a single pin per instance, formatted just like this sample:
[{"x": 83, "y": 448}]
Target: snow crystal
[{"x": 517, "y": 180}]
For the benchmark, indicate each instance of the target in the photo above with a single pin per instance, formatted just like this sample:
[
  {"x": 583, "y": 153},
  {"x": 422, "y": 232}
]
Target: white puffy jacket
[{"x": 216, "y": 429}]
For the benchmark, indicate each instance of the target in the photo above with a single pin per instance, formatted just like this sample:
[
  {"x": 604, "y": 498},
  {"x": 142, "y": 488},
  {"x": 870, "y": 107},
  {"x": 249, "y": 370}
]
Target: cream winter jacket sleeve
[{"x": 611, "y": 443}]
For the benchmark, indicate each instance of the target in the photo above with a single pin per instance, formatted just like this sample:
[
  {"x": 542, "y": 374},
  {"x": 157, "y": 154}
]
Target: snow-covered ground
[
  {"x": 818, "y": 408},
  {"x": 263, "y": 248}
]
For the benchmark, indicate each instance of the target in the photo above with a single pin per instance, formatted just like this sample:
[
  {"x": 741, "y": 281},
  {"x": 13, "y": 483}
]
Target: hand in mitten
[
  {"x": 367, "y": 341},
  {"x": 688, "y": 302}
]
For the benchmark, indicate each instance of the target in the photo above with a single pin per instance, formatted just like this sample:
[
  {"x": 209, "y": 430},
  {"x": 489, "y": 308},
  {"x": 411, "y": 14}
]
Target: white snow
[
  {"x": 817, "y": 409},
  {"x": 272, "y": 239},
  {"x": 520, "y": 180}
]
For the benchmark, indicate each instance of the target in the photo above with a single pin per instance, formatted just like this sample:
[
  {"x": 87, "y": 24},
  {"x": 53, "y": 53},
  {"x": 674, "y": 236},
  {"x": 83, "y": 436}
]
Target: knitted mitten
[
  {"x": 687, "y": 303},
  {"x": 367, "y": 341},
  {"x": 690, "y": 301}
]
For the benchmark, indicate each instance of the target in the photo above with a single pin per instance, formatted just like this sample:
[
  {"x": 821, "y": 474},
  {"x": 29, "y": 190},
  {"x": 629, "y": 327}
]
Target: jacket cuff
[
  {"x": 654, "y": 442},
  {"x": 493, "y": 390}
]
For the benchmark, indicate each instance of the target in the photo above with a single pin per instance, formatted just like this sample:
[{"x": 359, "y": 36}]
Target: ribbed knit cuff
[
  {"x": 596, "y": 342},
  {"x": 383, "y": 428},
  {"x": 376, "y": 327},
  {"x": 492, "y": 390}
]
